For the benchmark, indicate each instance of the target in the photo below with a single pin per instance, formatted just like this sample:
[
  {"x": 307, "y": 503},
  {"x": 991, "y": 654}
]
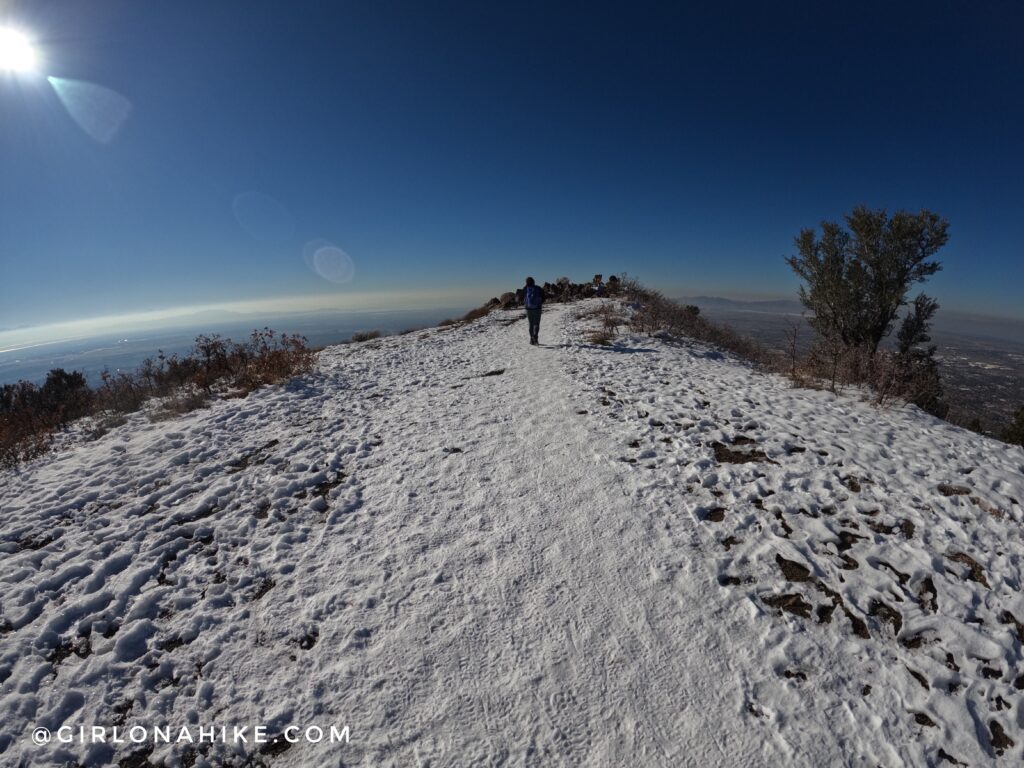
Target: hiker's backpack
[{"x": 532, "y": 299}]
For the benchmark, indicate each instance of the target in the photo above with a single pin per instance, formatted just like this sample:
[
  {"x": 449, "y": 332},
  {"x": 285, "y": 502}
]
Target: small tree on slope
[
  {"x": 1014, "y": 433},
  {"x": 856, "y": 279}
]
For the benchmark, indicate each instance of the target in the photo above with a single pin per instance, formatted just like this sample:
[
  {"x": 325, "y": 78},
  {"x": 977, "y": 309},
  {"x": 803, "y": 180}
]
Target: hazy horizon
[
  {"x": 12, "y": 339},
  {"x": 125, "y": 348},
  {"x": 186, "y": 315}
]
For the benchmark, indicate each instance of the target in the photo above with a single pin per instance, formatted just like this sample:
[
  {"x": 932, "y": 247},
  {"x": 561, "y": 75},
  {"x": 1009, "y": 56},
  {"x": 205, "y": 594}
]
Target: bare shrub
[
  {"x": 655, "y": 313},
  {"x": 611, "y": 318},
  {"x": 476, "y": 314},
  {"x": 101, "y": 425},
  {"x": 29, "y": 415},
  {"x": 15, "y": 449},
  {"x": 271, "y": 358},
  {"x": 360, "y": 336},
  {"x": 120, "y": 392},
  {"x": 834, "y": 365},
  {"x": 165, "y": 374},
  {"x": 600, "y": 336},
  {"x": 219, "y": 359},
  {"x": 65, "y": 395},
  {"x": 630, "y": 289}
]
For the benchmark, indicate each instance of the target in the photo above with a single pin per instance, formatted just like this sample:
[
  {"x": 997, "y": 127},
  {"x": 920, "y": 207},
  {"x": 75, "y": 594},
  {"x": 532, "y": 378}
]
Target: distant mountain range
[
  {"x": 948, "y": 322},
  {"x": 774, "y": 307}
]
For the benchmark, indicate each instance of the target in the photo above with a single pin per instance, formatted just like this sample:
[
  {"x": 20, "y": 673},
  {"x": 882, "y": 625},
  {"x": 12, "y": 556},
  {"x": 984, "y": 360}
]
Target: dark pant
[{"x": 533, "y": 317}]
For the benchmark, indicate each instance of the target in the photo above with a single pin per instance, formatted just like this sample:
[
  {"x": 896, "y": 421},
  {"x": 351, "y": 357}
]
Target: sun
[{"x": 16, "y": 51}]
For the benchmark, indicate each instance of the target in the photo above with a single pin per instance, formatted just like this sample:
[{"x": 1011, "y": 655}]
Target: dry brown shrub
[
  {"x": 600, "y": 336},
  {"x": 29, "y": 415},
  {"x": 655, "y": 313},
  {"x": 476, "y": 314}
]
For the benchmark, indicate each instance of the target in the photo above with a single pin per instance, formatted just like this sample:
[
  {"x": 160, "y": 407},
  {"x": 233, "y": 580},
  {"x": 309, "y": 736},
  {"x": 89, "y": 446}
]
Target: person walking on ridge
[{"x": 533, "y": 299}]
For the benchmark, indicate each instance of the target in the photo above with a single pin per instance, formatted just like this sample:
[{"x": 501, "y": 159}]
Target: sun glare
[{"x": 16, "y": 51}]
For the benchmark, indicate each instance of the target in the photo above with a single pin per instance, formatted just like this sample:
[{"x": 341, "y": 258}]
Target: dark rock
[
  {"x": 1000, "y": 741},
  {"x": 792, "y": 570},
  {"x": 927, "y": 595},
  {"x": 726, "y": 455},
  {"x": 975, "y": 571},
  {"x": 262, "y": 588},
  {"x": 275, "y": 745},
  {"x": 792, "y": 603},
  {"x": 883, "y": 612},
  {"x": 919, "y": 677},
  {"x": 946, "y": 757},
  {"x": 847, "y": 540}
]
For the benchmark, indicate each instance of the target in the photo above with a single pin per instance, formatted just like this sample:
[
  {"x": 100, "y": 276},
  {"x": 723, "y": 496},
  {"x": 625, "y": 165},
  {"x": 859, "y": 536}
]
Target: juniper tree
[
  {"x": 918, "y": 370},
  {"x": 914, "y": 330},
  {"x": 857, "y": 278}
]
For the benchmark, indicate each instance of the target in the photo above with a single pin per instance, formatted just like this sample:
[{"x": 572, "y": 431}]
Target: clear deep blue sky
[{"x": 455, "y": 147}]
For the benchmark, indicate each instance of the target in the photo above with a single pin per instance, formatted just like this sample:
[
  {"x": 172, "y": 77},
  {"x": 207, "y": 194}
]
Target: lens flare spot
[
  {"x": 329, "y": 261},
  {"x": 99, "y": 111}
]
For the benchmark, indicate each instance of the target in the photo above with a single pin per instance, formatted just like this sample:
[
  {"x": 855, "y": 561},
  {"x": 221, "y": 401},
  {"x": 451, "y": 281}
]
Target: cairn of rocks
[{"x": 563, "y": 290}]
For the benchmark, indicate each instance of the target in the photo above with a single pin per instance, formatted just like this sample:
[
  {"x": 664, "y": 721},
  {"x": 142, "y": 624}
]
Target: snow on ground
[{"x": 471, "y": 551}]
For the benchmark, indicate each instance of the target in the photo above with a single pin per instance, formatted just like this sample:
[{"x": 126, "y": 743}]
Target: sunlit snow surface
[{"x": 542, "y": 566}]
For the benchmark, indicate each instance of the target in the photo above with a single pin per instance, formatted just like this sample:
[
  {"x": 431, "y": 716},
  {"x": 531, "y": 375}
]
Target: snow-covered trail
[
  {"x": 570, "y": 642},
  {"x": 471, "y": 551}
]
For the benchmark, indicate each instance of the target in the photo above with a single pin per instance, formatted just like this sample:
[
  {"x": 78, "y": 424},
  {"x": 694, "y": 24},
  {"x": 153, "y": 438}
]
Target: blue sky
[{"x": 452, "y": 148}]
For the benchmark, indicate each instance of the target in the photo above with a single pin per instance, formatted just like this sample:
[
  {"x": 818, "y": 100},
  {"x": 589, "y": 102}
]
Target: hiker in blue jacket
[{"x": 533, "y": 299}]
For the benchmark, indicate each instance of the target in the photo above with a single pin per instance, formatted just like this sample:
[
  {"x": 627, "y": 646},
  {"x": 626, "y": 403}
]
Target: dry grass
[
  {"x": 600, "y": 336},
  {"x": 609, "y": 318}
]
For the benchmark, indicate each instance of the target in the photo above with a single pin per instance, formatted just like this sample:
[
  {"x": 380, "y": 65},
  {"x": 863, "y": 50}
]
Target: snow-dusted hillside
[{"x": 470, "y": 551}]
